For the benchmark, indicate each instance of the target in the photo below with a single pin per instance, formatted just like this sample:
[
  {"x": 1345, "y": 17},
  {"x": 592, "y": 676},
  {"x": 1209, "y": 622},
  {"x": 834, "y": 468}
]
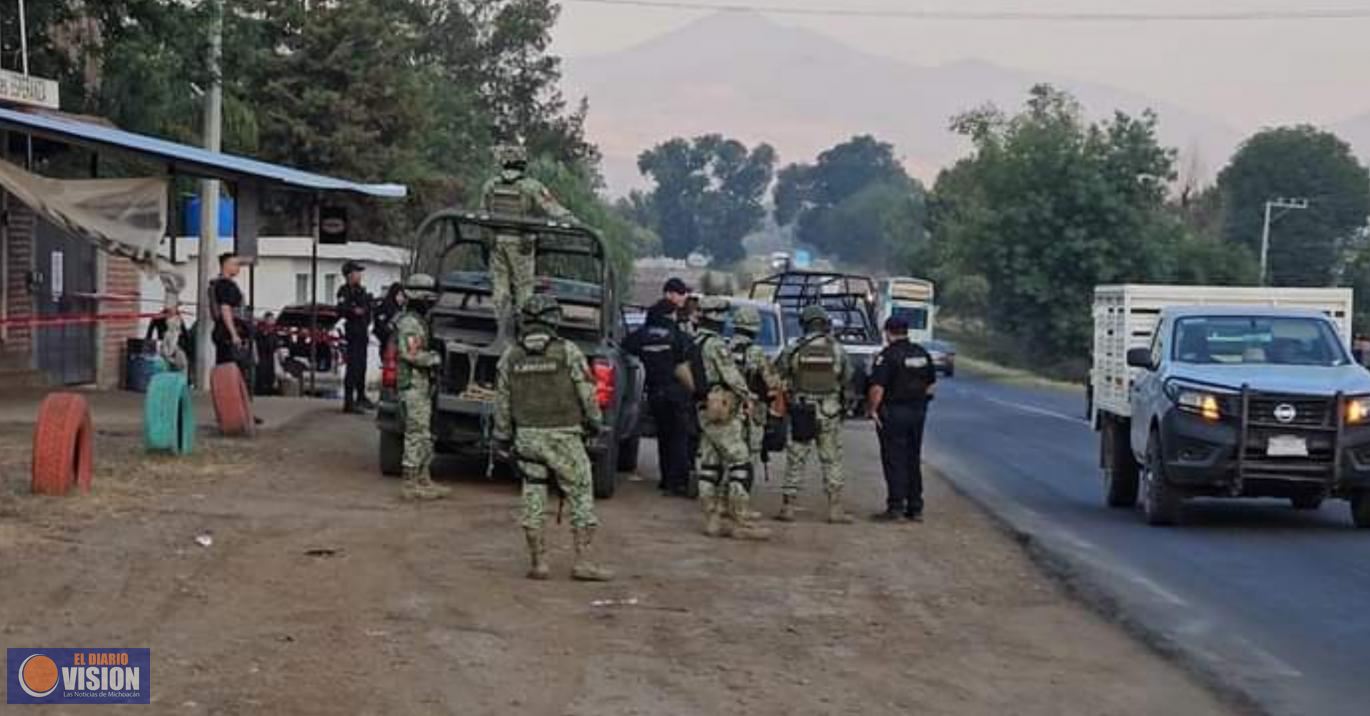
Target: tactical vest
[
  {"x": 407, "y": 375},
  {"x": 543, "y": 394},
  {"x": 658, "y": 350},
  {"x": 506, "y": 199},
  {"x": 756, "y": 380},
  {"x": 815, "y": 367},
  {"x": 907, "y": 385}
]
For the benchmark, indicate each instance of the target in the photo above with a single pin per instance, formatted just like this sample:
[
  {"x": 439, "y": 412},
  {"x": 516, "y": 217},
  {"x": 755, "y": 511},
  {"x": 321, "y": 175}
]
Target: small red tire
[
  {"x": 62, "y": 450},
  {"x": 232, "y": 407}
]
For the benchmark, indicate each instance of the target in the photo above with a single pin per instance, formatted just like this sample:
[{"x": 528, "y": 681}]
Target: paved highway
[{"x": 1269, "y": 602}]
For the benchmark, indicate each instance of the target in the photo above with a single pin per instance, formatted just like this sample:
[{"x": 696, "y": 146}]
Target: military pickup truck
[
  {"x": 1229, "y": 392},
  {"x": 571, "y": 266}
]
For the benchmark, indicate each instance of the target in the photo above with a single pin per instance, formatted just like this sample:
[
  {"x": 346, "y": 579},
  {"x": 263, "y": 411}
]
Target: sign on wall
[{"x": 27, "y": 89}]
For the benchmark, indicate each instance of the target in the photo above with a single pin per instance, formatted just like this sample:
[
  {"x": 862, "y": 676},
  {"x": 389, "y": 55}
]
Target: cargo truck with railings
[{"x": 1201, "y": 391}]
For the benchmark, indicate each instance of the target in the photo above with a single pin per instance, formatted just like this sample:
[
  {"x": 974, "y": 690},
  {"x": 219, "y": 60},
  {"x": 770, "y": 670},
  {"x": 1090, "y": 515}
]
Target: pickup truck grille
[{"x": 1275, "y": 411}]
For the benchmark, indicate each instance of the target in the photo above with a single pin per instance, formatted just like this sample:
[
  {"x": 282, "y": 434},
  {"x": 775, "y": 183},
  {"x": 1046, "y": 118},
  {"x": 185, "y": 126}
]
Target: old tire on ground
[
  {"x": 1307, "y": 501},
  {"x": 1120, "y": 469},
  {"x": 232, "y": 407},
  {"x": 62, "y": 445},
  {"x": 606, "y": 470},
  {"x": 169, "y": 415},
  {"x": 391, "y": 453},
  {"x": 1360, "y": 509},
  {"x": 627, "y": 454},
  {"x": 1161, "y": 502}
]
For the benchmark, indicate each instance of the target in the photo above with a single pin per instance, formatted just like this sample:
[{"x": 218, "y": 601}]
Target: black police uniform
[
  {"x": 225, "y": 292},
  {"x": 661, "y": 347},
  {"x": 905, "y": 371},
  {"x": 356, "y": 306}
]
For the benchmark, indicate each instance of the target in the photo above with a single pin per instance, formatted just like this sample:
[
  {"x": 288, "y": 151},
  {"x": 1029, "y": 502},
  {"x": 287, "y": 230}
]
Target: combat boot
[
  {"x": 537, "y": 555},
  {"x": 743, "y": 525},
  {"x": 837, "y": 515},
  {"x": 713, "y": 520},
  {"x": 584, "y": 570},
  {"x": 410, "y": 489},
  {"x": 430, "y": 489},
  {"x": 786, "y": 513}
]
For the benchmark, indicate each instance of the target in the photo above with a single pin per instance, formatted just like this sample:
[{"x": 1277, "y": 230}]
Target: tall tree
[
  {"x": 708, "y": 193},
  {"x": 1300, "y": 162}
]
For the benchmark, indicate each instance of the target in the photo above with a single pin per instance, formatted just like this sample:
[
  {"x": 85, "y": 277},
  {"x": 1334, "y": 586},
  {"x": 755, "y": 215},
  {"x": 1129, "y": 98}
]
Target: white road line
[{"x": 1034, "y": 410}]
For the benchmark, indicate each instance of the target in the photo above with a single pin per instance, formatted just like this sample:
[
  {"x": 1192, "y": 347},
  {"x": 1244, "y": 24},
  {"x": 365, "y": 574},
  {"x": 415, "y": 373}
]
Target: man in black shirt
[
  {"x": 663, "y": 348},
  {"x": 356, "y": 306},
  {"x": 901, "y": 384},
  {"x": 231, "y": 328}
]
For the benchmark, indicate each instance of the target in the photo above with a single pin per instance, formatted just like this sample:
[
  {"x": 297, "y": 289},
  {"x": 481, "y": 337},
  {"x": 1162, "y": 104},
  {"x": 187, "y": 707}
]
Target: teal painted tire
[{"x": 169, "y": 415}]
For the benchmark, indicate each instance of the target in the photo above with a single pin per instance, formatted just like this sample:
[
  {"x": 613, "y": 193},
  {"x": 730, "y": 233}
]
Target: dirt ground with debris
[{"x": 320, "y": 593}]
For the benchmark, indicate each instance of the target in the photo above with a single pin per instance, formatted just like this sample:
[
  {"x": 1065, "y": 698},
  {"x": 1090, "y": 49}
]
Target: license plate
[{"x": 1286, "y": 446}]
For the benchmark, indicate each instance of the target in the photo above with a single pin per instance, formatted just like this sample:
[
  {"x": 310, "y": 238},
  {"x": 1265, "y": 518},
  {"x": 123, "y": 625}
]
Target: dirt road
[{"x": 321, "y": 593}]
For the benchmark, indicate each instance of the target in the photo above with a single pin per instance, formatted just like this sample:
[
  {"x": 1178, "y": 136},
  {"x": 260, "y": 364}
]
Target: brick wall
[
  {"x": 120, "y": 279},
  {"x": 20, "y": 248}
]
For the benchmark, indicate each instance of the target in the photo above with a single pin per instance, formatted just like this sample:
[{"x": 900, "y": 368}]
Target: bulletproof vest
[
  {"x": 507, "y": 199},
  {"x": 756, "y": 382},
  {"x": 658, "y": 355},
  {"x": 907, "y": 383},
  {"x": 543, "y": 394},
  {"x": 406, "y": 375},
  {"x": 815, "y": 366}
]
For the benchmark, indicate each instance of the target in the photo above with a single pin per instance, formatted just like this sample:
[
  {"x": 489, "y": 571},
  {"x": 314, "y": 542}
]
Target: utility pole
[
  {"x": 1280, "y": 203},
  {"x": 209, "y": 201}
]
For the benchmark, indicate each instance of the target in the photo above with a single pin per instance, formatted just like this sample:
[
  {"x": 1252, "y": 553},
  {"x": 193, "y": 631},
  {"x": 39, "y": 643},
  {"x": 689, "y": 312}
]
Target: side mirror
[{"x": 1140, "y": 358}]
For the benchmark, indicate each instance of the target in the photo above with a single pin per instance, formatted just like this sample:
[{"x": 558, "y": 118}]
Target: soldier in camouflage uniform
[
  {"x": 513, "y": 263},
  {"x": 724, "y": 462},
  {"x": 760, "y": 374},
  {"x": 544, "y": 410},
  {"x": 816, "y": 370},
  {"x": 415, "y": 363}
]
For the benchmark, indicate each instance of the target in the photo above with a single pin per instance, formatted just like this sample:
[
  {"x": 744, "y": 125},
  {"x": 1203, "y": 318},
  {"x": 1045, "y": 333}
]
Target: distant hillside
[{"x": 749, "y": 77}]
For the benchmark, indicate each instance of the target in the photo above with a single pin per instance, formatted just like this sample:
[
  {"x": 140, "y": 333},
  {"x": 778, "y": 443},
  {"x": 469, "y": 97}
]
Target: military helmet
[
  {"x": 714, "y": 308},
  {"x": 747, "y": 319},
  {"x": 813, "y": 313},
  {"x": 421, "y": 286},
  {"x": 541, "y": 308},
  {"x": 511, "y": 155}
]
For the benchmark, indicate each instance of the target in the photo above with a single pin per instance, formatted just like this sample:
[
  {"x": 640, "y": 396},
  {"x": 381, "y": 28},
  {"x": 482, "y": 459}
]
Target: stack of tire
[{"x": 62, "y": 453}]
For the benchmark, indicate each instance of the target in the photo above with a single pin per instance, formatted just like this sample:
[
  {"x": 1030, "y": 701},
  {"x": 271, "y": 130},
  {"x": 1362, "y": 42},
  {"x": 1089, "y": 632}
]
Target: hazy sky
[{"x": 1246, "y": 74}]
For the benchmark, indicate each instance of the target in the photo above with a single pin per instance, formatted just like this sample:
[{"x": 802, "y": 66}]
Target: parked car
[{"x": 943, "y": 356}]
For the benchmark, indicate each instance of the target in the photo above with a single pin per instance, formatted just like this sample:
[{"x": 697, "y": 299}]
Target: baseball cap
[
  {"x": 351, "y": 266},
  {"x": 675, "y": 285},
  {"x": 895, "y": 324}
]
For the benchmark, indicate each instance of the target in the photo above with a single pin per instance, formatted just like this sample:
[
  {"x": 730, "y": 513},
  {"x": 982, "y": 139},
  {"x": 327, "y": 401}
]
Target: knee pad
[
  {"x": 743, "y": 475},
  {"x": 712, "y": 474}
]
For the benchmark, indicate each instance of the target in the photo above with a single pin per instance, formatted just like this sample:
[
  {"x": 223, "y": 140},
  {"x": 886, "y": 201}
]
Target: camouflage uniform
[
  {"x": 513, "y": 263},
  {"x": 724, "y": 462},
  {"x": 414, "y": 365},
  {"x": 760, "y": 374},
  {"x": 546, "y": 405},
  {"x": 816, "y": 369}
]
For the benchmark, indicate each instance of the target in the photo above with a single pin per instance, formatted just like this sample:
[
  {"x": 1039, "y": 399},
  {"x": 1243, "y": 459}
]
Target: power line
[{"x": 999, "y": 15}]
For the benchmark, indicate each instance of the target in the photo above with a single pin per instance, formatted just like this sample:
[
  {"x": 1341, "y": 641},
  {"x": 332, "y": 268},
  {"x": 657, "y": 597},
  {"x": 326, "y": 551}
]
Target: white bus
[{"x": 910, "y": 299}]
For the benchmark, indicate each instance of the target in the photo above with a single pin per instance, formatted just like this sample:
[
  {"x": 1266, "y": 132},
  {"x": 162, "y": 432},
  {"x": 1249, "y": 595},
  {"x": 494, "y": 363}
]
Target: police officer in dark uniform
[
  {"x": 663, "y": 349},
  {"x": 356, "y": 306},
  {"x": 901, "y": 384}
]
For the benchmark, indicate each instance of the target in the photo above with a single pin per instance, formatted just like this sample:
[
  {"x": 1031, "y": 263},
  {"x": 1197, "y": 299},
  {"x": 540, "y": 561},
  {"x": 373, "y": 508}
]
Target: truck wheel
[
  {"x": 1360, "y": 509},
  {"x": 606, "y": 471},
  {"x": 1161, "y": 502},
  {"x": 392, "y": 453},
  {"x": 627, "y": 455},
  {"x": 1307, "y": 501},
  {"x": 1120, "y": 468}
]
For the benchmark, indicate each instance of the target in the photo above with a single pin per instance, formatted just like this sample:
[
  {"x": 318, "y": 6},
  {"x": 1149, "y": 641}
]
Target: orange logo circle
[{"x": 38, "y": 675}]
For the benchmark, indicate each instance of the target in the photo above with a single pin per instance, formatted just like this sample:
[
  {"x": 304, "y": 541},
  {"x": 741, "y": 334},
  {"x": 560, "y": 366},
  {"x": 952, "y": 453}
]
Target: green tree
[
  {"x": 1306, "y": 246},
  {"x": 708, "y": 193},
  {"x": 1048, "y": 206}
]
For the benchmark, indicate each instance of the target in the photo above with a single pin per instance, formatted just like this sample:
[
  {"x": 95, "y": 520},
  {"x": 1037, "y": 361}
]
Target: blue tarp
[{"x": 185, "y": 159}]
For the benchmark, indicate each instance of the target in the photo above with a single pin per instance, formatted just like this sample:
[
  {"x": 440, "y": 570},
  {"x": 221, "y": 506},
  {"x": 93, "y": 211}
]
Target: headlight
[
  {"x": 1198, "y": 402},
  {"x": 1357, "y": 410}
]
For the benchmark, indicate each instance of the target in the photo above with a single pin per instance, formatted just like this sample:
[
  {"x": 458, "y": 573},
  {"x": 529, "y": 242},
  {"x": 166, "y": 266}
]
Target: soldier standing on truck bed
[
  {"x": 513, "y": 263},
  {"x": 724, "y": 461},
  {"x": 816, "y": 369},
  {"x": 414, "y": 379},
  {"x": 544, "y": 410}
]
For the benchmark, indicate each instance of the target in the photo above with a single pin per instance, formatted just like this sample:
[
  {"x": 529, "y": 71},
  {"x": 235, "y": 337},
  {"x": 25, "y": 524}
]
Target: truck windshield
[
  {"x": 917, "y": 316},
  {"x": 1257, "y": 340}
]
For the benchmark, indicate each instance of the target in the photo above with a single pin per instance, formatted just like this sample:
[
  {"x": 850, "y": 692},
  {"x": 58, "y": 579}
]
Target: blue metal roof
[{"x": 184, "y": 158}]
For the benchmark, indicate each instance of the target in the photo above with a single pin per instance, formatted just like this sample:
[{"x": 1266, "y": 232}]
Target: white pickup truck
[{"x": 1228, "y": 392}]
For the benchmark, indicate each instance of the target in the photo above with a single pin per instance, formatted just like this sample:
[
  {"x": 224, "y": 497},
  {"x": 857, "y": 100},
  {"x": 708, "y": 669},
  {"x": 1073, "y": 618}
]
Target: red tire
[
  {"x": 62, "y": 451},
  {"x": 232, "y": 407}
]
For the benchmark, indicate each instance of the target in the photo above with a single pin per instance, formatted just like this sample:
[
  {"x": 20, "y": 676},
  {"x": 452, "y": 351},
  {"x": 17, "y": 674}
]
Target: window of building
[
  {"x": 330, "y": 287},
  {"x": 301, "y": 288}
]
